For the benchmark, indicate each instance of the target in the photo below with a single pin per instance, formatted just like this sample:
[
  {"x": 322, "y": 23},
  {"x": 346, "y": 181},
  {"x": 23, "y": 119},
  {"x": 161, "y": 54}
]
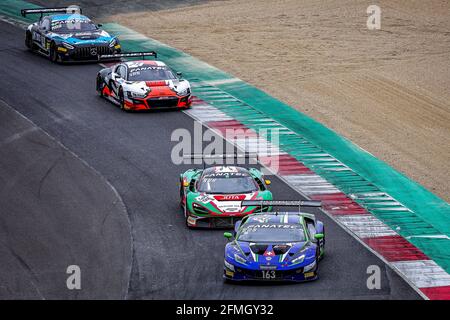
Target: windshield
[
  {"x": 73, "y": 26},
  {"x": 150, "y": 73},
  {"x": 227, "y": 183},
  {"x": 272, "y": 232}
]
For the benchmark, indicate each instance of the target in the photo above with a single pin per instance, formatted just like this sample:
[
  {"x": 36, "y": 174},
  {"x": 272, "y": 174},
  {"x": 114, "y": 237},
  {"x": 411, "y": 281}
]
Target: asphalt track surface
[
  {"x": 132, "y": 151},
  {"x": 56, "y": 211}
]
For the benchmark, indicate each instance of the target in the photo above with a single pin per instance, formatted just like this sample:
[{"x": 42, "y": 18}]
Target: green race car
[{"x": 211, "y": 197}]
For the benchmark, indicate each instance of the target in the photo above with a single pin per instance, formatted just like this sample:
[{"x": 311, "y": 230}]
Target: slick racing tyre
[
  {"x": 181, "y": 193},
  {"x": 53, "y": 54},
  {"x": 121, "y": 99},
  {"x": 29, "y": 41},
  {"x": 100, "y": 86}
]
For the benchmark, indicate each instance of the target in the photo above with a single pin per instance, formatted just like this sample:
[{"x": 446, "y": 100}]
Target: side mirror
[
  {"x": 179, "y": 74},
  {"x": 318, "y": 236},
  {"x": 185, "y": 184},
  {"x": 267, "y": 181},
  {"x": 228, "y": 235},
  {"x": 99, "y": 25}
]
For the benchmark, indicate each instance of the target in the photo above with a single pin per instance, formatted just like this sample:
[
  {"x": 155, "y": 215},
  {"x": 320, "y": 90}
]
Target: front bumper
[
  {"x": 225, "y": 220},
  {"x": 156, "y": 103},
  {"x": 87, "y": 52},
  {"x": 295, "y": 275},
  {"x": 209, "y": 222},
  {"x": 290, "y": 275}
]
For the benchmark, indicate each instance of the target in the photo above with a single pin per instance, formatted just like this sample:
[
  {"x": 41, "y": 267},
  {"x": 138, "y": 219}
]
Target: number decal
[
  {"x": 36, "y": 36},
  {"x": 268, "y": 274}
]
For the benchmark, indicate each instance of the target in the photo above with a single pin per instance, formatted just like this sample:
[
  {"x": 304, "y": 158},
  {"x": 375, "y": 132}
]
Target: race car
[
  {"x": 275, "y": 246},
  {"x": 143, "y": 84},
  {"x": 66, "y": 35},
  {"x": 211, "y": 197}
]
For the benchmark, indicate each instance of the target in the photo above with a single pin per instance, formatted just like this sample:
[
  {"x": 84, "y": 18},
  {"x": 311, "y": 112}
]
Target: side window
[
  {"x": 121, "y": 71},
  {"x": 45, "y": 24},
  {"x": 194, "y": 184},
  {"x": 260, "y": 184},
  {"x": 117, "y": 70},
  {"x": 243, "y": 220},
  {"x": 311, "y": 226}
]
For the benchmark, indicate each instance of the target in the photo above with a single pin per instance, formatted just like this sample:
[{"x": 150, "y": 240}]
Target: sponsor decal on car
[{"x": 204, "y": 198}]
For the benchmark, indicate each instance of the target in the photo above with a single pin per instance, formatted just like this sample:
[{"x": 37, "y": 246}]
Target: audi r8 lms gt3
[
  {"x": 211, "y": 197},
  {"x": 67, "y": 36},
  {"x": 275, "y": 246},
  {"x": 143, "y": 84}
]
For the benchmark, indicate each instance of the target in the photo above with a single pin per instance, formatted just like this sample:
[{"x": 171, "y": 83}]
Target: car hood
[
  {"x": 158, "y": 88},
  {"x": 270, "y": 255},
  {"x": 77, "y": 38},
  {"x": 225, "y": 203}
]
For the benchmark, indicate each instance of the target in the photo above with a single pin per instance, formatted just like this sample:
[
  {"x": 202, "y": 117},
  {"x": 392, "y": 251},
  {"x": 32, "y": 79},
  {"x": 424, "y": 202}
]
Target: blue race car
[
  {"x": 66, "y": 35},
  {"x": 275, "y": 246}
]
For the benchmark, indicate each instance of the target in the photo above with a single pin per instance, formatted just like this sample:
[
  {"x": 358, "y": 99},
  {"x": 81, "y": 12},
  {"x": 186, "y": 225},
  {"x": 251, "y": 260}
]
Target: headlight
[
  {"x": 228, "y": 265},
  {"x": 113, "y": 42},
  {"x": 68, "y": 46},
  {"x": 141, "y": 95},
  {"x": 309, "y": 266},
  {"x": 298, "y": 259},
  {"x": 184, "y": 92},
  {"x": 239, "y": 259}
]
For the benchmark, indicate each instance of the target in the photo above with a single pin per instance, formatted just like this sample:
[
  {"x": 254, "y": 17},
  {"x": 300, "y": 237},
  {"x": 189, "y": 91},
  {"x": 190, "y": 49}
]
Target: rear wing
[
  {"x": 224, "y": 156},
  {"x": 281, "y": 203},
  {"x": 41, "y": 11},
  {"x": 128, "y": 55}
]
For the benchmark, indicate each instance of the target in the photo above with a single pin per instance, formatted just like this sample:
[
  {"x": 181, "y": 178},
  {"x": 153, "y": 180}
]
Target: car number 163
[{"x": 268, "y": 274}]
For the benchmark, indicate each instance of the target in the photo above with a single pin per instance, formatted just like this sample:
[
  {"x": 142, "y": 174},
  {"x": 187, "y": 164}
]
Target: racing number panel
[{"x": 38, "y": 34}]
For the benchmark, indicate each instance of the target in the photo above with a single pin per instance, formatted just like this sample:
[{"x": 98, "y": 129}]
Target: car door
[
  {"x": 39, "y": 34},
  {"x": 117, "y": 77}
]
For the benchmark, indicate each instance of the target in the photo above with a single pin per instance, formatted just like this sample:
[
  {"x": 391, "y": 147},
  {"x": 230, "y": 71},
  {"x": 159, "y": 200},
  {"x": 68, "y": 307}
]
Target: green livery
[{"x": 211, "y": 197}]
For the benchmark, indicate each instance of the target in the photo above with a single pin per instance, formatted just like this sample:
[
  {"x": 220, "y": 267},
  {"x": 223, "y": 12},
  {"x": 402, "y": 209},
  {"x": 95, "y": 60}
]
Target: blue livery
[
  {"x": 282, "y": 246},
  {"x": 64, "y": 36}
]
